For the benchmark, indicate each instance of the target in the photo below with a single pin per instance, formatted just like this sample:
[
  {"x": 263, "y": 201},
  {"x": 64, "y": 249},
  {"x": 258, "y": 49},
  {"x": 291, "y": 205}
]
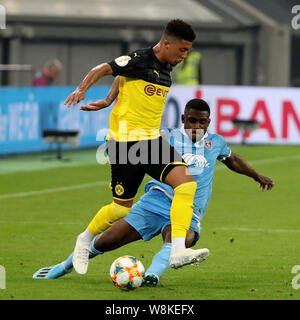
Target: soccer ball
[{"x": 127, "y": 272}]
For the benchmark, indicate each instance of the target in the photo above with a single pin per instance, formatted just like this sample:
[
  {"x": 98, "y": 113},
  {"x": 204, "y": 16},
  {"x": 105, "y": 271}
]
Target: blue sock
[
  {"x": 94, "y": 252},
  {"x": 68, "y": 264},
  {"x": 160, "y": 262}
]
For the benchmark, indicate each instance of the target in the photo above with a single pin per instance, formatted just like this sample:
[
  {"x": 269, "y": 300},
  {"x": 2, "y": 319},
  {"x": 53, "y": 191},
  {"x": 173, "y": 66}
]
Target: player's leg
[
  {"x": 119, "y": 234},
  {"x": 124, "y": 188},
  {"x": 116, "y": 236},
  {"x": 56, "y": 271},
  {"x": 181, "y": 214},
  {"x": 181, "y": 211},
  {"x": 138, "y": 224},
  {"x": 174, "y": 172},
  {"x": 105, "y": 217},
  {"x": 160, "y": 262}
]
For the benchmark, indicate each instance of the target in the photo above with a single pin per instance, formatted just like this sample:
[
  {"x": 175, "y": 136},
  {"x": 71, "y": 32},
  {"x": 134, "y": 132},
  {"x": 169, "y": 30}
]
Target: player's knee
[
  {"x": 121, "y": 203},
  {"x": 119, "y": 211},
  {"x": 187, "y": 188}
]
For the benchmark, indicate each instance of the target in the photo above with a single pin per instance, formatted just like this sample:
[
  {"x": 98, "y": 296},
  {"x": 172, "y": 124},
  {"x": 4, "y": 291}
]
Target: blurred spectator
[
  {"x": 189, "y": 70},
  {"x": 49, "y": 73}
]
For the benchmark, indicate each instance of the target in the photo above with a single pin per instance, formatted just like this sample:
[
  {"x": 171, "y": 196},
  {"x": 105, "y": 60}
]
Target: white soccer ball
[{"x": 127, "y": 273}]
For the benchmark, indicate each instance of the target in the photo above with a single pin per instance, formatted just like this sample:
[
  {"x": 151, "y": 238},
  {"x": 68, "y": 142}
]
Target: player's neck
[{"x": 158, "y": 53}]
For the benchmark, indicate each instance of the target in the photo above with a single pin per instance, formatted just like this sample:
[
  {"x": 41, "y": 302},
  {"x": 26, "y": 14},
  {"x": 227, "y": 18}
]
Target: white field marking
[
  {"x": 266, "y": 161},
  {"x": 59, "y": 189},
  {"x": 39, "y": 222},
  {"x": 212, "y": 229},
  {"x": 259, "y": 230},
  {"x": 101, "y": 183}
]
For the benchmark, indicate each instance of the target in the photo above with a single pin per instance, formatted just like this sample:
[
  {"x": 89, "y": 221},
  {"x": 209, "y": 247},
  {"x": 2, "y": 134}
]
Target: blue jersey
[{"x": 201, "y": 160}]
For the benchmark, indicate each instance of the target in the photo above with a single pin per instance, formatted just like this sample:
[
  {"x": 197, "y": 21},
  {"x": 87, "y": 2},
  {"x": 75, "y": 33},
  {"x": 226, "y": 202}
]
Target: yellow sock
[
  {"x": 106, "y": 216},
  {"x": 182, "y": 209}
]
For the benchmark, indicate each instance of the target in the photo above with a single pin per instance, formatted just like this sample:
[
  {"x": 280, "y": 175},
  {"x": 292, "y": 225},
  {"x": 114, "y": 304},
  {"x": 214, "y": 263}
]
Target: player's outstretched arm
[
  {"x": 239, "y": 165},
  {"x": 92, "y": 77},
  {"x": 110, "y": 97}
]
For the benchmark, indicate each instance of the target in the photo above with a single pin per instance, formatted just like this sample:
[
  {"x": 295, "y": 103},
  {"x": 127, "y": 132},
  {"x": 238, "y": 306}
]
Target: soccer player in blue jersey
[{"x": 151, "y": 214}]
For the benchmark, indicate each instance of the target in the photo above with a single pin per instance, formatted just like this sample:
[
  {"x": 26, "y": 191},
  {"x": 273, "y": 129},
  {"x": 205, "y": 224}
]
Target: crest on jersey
[
  {"x": 208, "y": 145},
  {"x": 122, "y": 61},
  {"x": 119, "y": 189}
]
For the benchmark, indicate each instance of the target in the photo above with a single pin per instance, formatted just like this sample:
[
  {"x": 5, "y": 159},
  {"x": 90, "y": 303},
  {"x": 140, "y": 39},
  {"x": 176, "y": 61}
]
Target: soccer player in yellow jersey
[{"x": 145, "y": 79}]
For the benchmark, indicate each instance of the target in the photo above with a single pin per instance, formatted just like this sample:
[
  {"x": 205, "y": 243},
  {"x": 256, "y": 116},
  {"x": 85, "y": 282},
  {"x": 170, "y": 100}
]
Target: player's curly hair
[
  {"x": 198, "y": 104},
  {"x": 179, "y": 29}
]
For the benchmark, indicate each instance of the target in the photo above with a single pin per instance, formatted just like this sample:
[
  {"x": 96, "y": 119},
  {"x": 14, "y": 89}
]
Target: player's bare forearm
[
  {"x": 239, "y": 165},
  {"x": 95, "y": 75},
  {"x": 113, "y": 91},
  {"x": 92, "y": 77},
  {"x": 110, "y": 97}
]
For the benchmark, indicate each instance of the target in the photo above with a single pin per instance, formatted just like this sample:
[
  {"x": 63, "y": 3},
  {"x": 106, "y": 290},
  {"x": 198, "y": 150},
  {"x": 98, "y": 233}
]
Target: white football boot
[
  {"x": 188, "y": 256},
  {"x": 81, "y": 255}
]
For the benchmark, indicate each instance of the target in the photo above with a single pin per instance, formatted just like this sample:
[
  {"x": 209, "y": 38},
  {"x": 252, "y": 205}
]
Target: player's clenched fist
[{"x": 74, "y": 98}]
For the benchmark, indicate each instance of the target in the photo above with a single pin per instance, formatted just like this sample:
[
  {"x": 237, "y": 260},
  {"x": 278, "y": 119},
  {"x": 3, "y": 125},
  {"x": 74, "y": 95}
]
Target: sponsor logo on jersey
[
  {"x": 156, "y": 72},
  {"x": 122, "y": 61},
  {"x": 196, "y": 160},
  {"x": 151, "y": 89}
]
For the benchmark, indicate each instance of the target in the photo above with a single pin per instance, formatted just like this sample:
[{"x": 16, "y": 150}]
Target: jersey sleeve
[
  {"x": 225, "y": 151},
  {"x": 126, "y": 65}
]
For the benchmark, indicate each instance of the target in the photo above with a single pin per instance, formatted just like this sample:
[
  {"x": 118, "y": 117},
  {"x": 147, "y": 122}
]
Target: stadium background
[{"x": 251, "y": 69}]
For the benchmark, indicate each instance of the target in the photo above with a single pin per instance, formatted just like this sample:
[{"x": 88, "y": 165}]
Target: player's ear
[
  {"x": 166, "y": 44},
  {"x": 182, "y": 118}
]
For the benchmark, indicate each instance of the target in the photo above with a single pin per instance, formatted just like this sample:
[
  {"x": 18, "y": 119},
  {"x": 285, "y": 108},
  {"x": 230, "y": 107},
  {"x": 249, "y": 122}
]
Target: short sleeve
[
  {"x": 225, "y": 151},
  {"x": 125, "y": 65}
]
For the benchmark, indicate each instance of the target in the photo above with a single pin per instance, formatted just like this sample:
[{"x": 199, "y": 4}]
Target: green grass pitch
[{"x": 253, "y": 236}]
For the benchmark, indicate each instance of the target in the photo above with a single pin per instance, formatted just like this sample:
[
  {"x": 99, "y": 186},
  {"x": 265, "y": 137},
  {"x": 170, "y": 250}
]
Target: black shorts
[{"x": 130, "y": 161}]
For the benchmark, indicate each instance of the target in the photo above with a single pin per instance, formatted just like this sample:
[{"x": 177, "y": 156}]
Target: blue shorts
[{"x": 149, "y": 224}]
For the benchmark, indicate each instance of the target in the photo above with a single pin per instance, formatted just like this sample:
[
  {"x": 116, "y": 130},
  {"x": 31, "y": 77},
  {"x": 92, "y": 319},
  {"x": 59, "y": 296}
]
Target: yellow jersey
[{"x": 144, "y": 85}]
